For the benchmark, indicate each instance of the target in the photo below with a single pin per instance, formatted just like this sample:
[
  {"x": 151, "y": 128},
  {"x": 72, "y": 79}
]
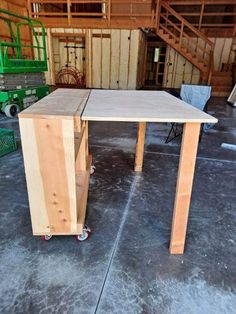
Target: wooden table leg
[
  {"x": 140, "y": 146},
  {"x": 184, "y": 186}
]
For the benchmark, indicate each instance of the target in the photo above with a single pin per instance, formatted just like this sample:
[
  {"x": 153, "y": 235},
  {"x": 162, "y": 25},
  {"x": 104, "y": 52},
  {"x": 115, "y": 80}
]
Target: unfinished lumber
[
  {"x": 141, "y": 106},
  {"x": 184, "y": 186},
  {"x": 140, "y": 146},
  {"x": 156, "y": 106},
  {"x": 57, "y": 163},
  {"x": 54, "y": 135}
]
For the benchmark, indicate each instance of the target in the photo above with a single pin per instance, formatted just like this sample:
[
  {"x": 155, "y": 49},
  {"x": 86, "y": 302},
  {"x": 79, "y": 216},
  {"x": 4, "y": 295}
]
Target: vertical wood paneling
[
  {"x": 170, "y": 65},
  {"x": 178, "y": 73},
  {"x": 167, "y": 65},
  {"x": 96, "y": 60},
  {"x": 106, "y": 62},
  {"x": 219, "y": 42},
  {"x": 56, "y": 53},
  {"x": 178, "y": 70},
  {"x": 39, "y": 217},
  {"x": 111, "y": 62},
  {"x": 226, "y": 50},
  {"x": 57, "y": 149},
  {"x": 115, "y": 62},
  {"x": 88, "y": 57},
  {"x": 133, "y": 59},
  {"x": 141, "y": 64},
  {"x": 115, "y": 58},
  {"x": 124, "y": 59},
  {"x": 187, "y": 72},
  {"x": 69, "y": 156},
  {"x": 50, "y": 74},
  {"x": 195, "y": 76},
  {"x": 222, "y": 51}
]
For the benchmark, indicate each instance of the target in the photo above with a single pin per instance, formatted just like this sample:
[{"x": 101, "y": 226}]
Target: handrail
[
  {"x": 168, "y": 31},
  {"x": 170, "y": 22},
  {"x": 182, "y": 39},
  {"x": 183, "y": 33},
  {"x": 186, "y": 23}
]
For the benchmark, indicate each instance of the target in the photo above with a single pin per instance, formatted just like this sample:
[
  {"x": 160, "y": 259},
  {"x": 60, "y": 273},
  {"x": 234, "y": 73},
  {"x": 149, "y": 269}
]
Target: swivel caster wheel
[
  {"x": 12, "y": 110},
  {"x": 46, "y": 237},
  {"x": 84, "y": 235},
  {"x": 86, "y": 227},
  {"x": 92, "y": 169}
]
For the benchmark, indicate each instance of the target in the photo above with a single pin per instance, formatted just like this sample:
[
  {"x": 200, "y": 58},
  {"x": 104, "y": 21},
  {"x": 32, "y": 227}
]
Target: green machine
[{"x": 22, "y": 80}]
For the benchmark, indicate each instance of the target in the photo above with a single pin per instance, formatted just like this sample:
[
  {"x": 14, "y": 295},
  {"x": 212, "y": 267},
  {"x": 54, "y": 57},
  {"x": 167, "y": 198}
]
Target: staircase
[
  {"x": 185, "y": 39},
  {"x": 222, "y": 83}
]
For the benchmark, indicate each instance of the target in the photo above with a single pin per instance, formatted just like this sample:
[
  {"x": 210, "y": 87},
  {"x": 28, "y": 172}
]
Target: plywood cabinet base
[{"x": 57, "y": 162}]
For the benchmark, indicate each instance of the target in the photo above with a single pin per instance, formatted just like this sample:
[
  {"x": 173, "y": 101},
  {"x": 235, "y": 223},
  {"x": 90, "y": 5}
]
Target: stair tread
[
  {"x": 224, "y": 74},
  {"x": 192, "y": 57}
]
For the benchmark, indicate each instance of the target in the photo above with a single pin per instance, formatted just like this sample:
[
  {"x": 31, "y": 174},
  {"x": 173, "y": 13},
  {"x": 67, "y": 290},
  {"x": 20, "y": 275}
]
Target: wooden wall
[
  {"x": 105, "y": 14},
  {"x": 18, "y": 7},
  {"x": 223, "y": 52},
  {"x": 62, "y": 56},
  {"x": 203, "y": 14},
  {"x": 15, "y": 6},
  {"x": 111, "y": 56},
  {"x": 115, "y": 59},
  {"x": 142, "y": 57},
  {"x": 178, "y": 70}
]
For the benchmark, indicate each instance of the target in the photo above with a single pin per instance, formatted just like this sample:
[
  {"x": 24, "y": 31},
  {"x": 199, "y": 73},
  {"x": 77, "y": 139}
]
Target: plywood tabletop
[
  {"x": 141, "y": 106},
  {"x": 64, "y": 102}
]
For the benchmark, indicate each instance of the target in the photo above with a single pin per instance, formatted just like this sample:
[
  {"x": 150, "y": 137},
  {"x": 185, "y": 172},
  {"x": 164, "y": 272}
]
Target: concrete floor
[{"x": 125, "y": 266}]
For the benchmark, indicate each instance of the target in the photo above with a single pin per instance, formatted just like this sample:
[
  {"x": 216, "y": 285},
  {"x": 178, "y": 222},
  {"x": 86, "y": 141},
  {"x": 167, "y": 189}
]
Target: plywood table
[
  {"x": 156, "y": 106},
  {"x": 54, "y": 134},
  {"x": 57, "y": 163}
]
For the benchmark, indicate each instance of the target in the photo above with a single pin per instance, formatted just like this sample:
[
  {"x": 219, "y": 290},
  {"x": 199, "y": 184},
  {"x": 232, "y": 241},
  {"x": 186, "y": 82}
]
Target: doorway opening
[
  {"x": 69, "y": 60},
  {"x": 155, "y": 63}
]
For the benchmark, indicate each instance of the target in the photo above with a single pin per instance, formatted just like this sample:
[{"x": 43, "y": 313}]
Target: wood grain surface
[{"x": 141, "y": 106}]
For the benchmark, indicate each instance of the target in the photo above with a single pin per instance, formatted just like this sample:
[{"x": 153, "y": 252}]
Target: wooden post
[
  {"x": 158, "y": 11},
  {"x": 144, "y": 63},
  {"x": 81, "y": 160},
  {"x": 69, "y": 12},
  {"x": 153, "y": 13},
  {"x": 201, "y": 15},
  {"x": 210, "y": 67},
  {"x": 140, "y": 146},
  {"x": 51, "y": 57},
  {"x": 29, "y": 8},
  {"x": 184, "y": 186},
  {"x": 181, "y": 34},
  {"x": 231, "y": 47},
  {"x": 109, "y": 12}
]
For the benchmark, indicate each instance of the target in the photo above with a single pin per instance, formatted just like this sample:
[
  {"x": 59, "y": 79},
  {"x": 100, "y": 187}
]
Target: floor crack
[{"x": 119, "y": 234}]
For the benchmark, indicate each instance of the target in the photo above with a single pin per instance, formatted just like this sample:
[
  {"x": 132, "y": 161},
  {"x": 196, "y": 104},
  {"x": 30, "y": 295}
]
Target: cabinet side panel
[
  {"x": 56, "y": 153},
  {"x": 38, "y": 210},
  {"x": 69, "y": 151}
]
